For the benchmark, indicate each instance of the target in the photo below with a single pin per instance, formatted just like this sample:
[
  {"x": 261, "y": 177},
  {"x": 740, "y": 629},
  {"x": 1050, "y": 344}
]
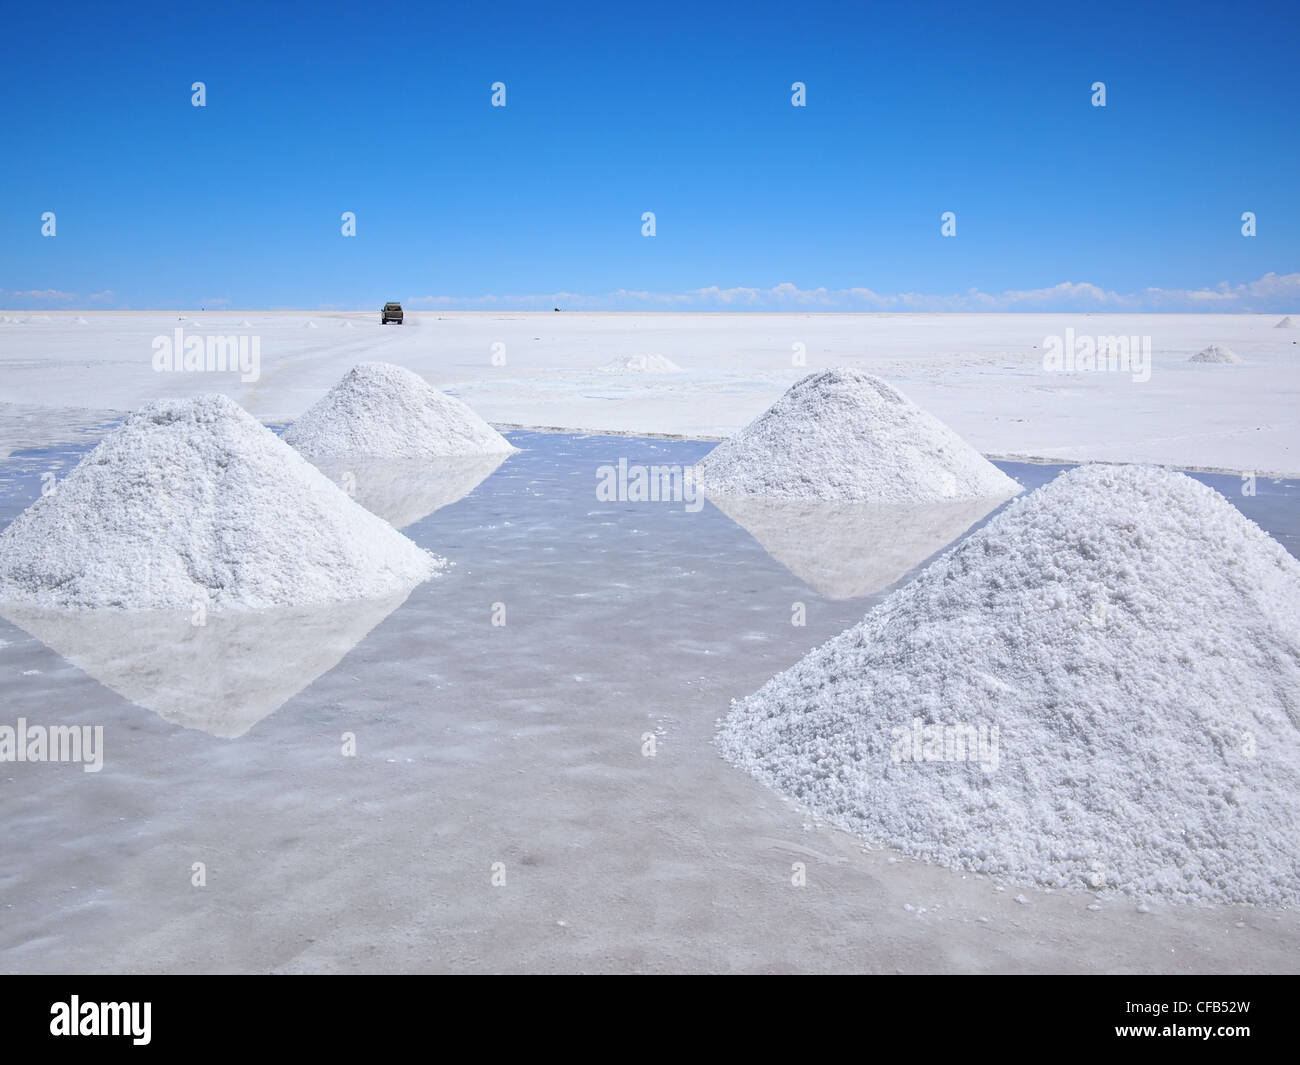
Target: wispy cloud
[
  {"x": 34, "y": 298},
  {"x": 1269, "y": 294},
  {"x": 1272, "y": 293},
  {"x": 37, "y": 295}
]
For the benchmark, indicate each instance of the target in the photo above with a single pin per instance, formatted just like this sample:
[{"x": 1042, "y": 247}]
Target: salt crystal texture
[
  {"x": 1136, "y": 642},
  {"x": 194, "y": 501},
  {"x": 1215, "y": 353},
  {"x": 383, "y": 411},
  {"x": 845, "y": 435}
]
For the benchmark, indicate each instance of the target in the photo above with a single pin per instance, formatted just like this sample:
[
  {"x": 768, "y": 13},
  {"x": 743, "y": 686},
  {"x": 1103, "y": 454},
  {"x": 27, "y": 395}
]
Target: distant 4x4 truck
[{"x": 392, "y": 312}]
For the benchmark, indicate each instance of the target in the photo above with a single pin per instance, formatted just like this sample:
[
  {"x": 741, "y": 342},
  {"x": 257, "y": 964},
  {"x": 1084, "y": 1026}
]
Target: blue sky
[{"x": 612, "y": 110}]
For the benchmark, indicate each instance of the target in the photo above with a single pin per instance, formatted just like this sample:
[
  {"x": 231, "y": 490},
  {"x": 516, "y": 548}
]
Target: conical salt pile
[
  {"x": 1099, "y": 689},
  {"x": 845, "y": 435},
  {"x": 383, "y": 411},
  {"x": 1285, "y": 323},
  {"x": 632, "y": 364},
  {"x": 193, "y": 501},
  {"x": 1215, "y": 353}
]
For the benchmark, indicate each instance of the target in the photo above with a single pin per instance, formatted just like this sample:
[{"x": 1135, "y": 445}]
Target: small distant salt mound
[
  {"x": 1135, "y": 642},
  {"x": 1215, "y": 353},
  {"x": 196, "y": 323},
  {"x": 79, "y": 321},
  {"x": 1285, "y": 323},
  {"x": 349, "y": 325},
  {"x": 383, "y": 411},
  {"x": 195, "y": 501},
  {"x": 641, "y": 364},
  {"x": 845, "y": 435},
  {"x": 244, "y": 323},
  {"x": 312, "y": 325}
]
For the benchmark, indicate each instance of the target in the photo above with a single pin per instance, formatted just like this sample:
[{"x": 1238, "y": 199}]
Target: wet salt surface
[{"x": 522, "y": 744}]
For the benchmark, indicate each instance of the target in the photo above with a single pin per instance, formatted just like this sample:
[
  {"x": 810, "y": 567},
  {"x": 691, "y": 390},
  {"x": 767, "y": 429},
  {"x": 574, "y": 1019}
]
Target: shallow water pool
[{"x": 533, "y": 784}]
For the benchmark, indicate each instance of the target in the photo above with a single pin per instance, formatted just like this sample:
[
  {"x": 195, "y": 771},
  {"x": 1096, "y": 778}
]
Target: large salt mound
[
  {"x": 1215, "y": 353},
  {"x": 383, "y": 411},
  {"x": 1285, "y": 323},
  {"x": 845, "y": 435},
  {"x": 1136, "y": 642},
  {"x": 194, "y": 500}
]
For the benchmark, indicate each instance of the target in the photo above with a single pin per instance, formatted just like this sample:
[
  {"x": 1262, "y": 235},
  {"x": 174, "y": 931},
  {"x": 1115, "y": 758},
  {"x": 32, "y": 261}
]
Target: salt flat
[{"x": 981, "y": 374}]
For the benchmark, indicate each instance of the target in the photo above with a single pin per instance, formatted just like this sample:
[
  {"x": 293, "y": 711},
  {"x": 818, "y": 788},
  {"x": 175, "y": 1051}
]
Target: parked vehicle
[{"x": 392, "y": 312}]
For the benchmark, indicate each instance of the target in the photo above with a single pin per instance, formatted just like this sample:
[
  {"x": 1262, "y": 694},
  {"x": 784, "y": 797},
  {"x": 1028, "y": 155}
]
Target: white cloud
[
  {"x": 37, "y": 295},
  {"x": 30, "y": 298},
  {"x": 1272, "y": 293}
]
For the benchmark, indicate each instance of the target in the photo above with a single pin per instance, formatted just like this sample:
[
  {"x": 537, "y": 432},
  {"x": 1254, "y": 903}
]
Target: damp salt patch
[
  {"x": 383, "y": 411},
  {"x": 194, "y": 502},
  {"x": 844, "y": 435},
  {"x": 1096, "y": 690}
]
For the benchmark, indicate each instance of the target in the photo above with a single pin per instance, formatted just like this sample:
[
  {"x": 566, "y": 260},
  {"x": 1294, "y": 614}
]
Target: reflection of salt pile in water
[
  {"x": 402, "y": 491},
  {"x": 1215, "y": 353},
  {"x": 1136, "y": 643},
  {"x": 850, "y": 550},
  {"x": 1286, "y": 323},
  {"x": 626, "y": 364},
  {"x": 194, "y": 501},
  {"x": 845, "y": 435},
  {"x": 221, "y": 677},
  {"x": 383, "y": 411}
]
